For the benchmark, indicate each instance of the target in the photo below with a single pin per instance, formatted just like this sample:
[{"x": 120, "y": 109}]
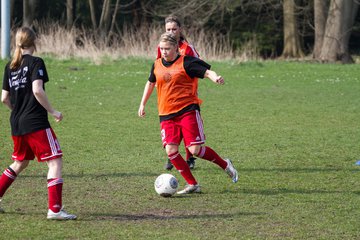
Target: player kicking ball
[{"x": 175, "y": 77}]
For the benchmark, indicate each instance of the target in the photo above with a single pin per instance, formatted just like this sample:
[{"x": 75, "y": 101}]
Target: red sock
[
  {"x": 55, "y": 194},
  {"x": 6, "y": 179},
  {"x": 180, "y": 165},
  {"x": 208, "y": 154}
]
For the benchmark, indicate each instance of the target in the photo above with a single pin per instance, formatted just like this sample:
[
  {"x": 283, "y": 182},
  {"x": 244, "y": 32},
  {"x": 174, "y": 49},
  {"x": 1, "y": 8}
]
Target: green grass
[{"x": 292, "y": 130}]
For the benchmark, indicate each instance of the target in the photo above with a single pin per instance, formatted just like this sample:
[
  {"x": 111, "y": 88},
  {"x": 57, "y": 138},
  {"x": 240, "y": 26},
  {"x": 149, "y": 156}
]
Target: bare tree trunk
[
  {"x": 70, "y": 12},
  {"x": 332, "y": 38},
  {"x": 338, "y": 30},
  {"x": 320, "y": 14},
  {"x": 29, "y": 13},
  {"x": 114, "y": 18},
  {"x": 105, "y": 19},
  {"x": 350, "y": 12},
  {"x": 12, "y": 3},
  {"x": 93, "y": 14},
  {"x": 292, "y": 46}
]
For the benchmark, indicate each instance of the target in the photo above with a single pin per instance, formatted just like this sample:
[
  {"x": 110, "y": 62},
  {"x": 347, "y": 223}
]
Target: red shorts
[
  {"x": 43, "y": 144},
  {"x": 188, "y": 126}
]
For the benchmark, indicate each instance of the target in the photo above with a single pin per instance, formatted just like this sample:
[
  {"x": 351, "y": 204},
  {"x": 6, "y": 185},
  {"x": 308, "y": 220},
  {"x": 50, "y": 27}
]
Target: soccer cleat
[
  {"x": 1, "y": 209},
  {"x": 61, "y": 215},
  {"x": 191, "y": 162},
  {"x": 231, "y": 171},
  {"x": 168, "y": 165},
  {"x": 190, "y": 189}
]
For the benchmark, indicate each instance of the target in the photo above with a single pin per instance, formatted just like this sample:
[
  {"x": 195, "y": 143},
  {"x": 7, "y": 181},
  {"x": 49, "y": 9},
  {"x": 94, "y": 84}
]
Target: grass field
[{"x": 292, "y": 130}]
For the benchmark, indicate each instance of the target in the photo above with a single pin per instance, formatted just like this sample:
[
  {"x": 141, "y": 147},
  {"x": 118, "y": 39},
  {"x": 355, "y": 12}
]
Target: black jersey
[{"x": 27, "y": 115}]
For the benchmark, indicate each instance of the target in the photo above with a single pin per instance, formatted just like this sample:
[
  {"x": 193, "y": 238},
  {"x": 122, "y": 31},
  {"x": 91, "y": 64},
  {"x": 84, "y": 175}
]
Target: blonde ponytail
[
  {"x": 16, "y": 59},
  {"x": 25, "y": 38}
]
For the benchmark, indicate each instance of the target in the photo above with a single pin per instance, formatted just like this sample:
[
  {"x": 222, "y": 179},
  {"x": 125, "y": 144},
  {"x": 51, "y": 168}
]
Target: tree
[
  {"x": 107, "y": 18},
  {"x": 70, "y": 13},
  {"x": 320, "y": 16},
  {"x": 93, "y": 14},
  {"x": 292, "y": 46},
  {"x": 29, "y": 12},
  {"x": 340, "y": 20}
]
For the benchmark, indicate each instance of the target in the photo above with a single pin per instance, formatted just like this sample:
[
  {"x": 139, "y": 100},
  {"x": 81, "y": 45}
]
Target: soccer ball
[{"x": 166, "y": 185}]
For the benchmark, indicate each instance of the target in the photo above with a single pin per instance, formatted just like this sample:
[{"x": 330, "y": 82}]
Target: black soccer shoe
[
  {"x": 168, "y": 165},
  {"x": 191, "y": 162}
]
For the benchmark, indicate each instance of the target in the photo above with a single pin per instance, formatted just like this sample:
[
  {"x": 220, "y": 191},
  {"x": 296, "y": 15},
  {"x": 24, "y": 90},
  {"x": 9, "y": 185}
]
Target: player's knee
[
  {"x": 18, "y": 166},
  {"x": 194, "y": 149},
  {"x": 171, "y": 149},
  {"x": 55, "y": 163}
]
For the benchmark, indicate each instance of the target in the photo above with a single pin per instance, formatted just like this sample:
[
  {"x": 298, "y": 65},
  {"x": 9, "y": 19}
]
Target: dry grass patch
[{"x": 63, "y": 43}]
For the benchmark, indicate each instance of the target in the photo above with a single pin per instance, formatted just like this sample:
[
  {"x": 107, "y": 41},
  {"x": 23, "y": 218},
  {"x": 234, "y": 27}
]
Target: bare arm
[
  {"x": 41, "y": 97},
  {"x": 149, "y": 87},
  {"x": 214, "y": 77},
  {"x": 5, "y": 99}
]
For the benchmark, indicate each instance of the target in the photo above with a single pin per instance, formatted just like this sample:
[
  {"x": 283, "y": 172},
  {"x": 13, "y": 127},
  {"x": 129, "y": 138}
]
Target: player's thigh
[
  {"x": 192, "y": 128},
  {"x": 170, "y": 133},
  {"x": 45, "y": 145},
  {"x": 22, "y": 150}
]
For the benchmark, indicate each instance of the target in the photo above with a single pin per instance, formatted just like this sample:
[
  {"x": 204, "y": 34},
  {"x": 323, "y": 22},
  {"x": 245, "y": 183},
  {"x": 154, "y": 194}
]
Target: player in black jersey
[{"x": 23, "y": 92}]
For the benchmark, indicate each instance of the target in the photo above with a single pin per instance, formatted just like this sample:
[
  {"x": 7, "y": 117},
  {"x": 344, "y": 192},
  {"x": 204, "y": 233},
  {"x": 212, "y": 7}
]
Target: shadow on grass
[
  {"x": 96, "y": 175},
  {"x": 279, "y": 191},
  {"x": 161, "y": 215},
  {"x": 154, "y": 174},
  {"x": 304, "y": 170}
]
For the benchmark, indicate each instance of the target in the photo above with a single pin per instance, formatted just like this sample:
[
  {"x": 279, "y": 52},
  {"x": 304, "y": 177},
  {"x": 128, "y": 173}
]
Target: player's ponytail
[{"x": 24, "y": 38}]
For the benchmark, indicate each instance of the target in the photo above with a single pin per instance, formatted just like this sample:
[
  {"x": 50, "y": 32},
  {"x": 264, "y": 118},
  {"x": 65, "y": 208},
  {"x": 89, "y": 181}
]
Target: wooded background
[{"x": 326, "y": 30}]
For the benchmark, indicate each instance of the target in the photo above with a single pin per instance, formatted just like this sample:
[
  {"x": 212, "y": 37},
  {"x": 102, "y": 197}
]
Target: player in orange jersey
[
  {"x": 173, "y": 25},
  {"x": 175, "y": 77}
]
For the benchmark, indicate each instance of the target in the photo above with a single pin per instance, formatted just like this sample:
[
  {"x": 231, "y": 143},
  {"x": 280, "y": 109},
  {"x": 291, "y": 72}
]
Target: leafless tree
[
  {"x": 93, "y": 14},
  {"x": 340, "y": 20},
  {"x": 292, "y": 46},
  {"x": 29, "y": 12},
  {"x": 320, "y": 15},
  {"x": 70, "y": 12},
  {"x": 105, "y": 25}
]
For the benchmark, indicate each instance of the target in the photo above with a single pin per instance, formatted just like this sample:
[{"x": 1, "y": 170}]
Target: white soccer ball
[{"x": 166, "y": 185}]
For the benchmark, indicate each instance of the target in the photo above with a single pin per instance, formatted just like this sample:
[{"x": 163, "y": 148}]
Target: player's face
[
  {"x": 172, "y": 27},
  {"x": 168, "y": 51}
]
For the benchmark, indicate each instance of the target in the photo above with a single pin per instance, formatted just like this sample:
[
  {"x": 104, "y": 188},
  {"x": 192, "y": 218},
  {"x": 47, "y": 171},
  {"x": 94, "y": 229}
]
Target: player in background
[
  {"x": 173, "y": 25},
  {"x": 23, "y": 92},
  {"x": 175, "y": 77}
]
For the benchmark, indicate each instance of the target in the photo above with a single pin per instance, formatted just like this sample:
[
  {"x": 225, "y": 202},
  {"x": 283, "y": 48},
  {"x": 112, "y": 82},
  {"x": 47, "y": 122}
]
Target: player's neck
[{"x": 27, "y": 51}]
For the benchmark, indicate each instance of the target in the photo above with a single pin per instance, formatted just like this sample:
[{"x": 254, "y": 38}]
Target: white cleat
[
  {"x": 190, "y": 189},
  {"x": 231, "y": 171},
  {"x": 61, "y": 215}
]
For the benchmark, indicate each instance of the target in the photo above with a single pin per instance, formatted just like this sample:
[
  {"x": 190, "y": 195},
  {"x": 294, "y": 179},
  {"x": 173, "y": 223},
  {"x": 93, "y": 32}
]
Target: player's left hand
[
  {"x": 57, "y": 115},
  {"x": 220, "y": 80}
]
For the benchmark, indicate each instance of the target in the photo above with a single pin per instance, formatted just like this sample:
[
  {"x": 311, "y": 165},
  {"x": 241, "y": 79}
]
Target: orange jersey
[{"x": 175, "y": 89}]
